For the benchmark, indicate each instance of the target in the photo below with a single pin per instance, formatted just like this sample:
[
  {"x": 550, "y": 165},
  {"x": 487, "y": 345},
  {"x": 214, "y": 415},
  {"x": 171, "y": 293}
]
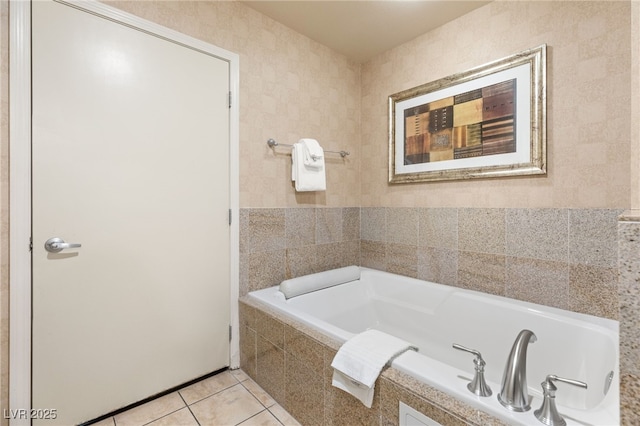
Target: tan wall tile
[
  {"x": 438, "y": 265},
  {"x": 438, "y": 227},
  {"x": 593, "y": 290},
  {"x": 270, "y": 369},
  {"x": 538, "y": 281},
  {"x": 629, "y": 297},
  {"x": 481, "y": 230},
  {"x": 629, "y": 400},
  {"x": 304, "y": 389},
  {"x": 482, "y": 272},
  {"x": 538, "y": 233}
]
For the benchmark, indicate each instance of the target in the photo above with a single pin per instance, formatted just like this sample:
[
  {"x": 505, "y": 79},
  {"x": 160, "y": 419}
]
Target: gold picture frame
[{"x": 486, "y": 122}]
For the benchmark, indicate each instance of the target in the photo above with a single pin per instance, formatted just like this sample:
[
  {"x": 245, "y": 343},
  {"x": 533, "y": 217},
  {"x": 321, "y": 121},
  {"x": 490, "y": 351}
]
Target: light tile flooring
[{"x": 228, "y": 398}]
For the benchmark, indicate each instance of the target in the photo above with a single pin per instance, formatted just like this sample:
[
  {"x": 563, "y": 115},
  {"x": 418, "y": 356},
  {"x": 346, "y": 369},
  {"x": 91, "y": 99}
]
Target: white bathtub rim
[{"x": 413, "y": 364}]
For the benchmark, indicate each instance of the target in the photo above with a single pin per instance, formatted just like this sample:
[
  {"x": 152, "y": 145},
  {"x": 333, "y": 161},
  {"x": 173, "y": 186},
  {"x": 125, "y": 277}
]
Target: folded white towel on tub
[{"x": 360, "y": 360}]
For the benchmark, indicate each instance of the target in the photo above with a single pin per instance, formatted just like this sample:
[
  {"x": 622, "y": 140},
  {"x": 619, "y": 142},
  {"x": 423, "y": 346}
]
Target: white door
[{"x": 130, "y": 160}]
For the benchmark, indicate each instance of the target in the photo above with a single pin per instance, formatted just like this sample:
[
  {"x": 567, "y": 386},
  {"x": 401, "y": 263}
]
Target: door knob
[{"x": 56, "y": 245}]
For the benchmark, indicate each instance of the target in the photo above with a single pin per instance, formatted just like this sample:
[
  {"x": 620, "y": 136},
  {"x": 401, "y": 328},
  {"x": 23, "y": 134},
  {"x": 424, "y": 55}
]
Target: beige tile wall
[
  {"x": 278, "y": 244},
  {"x": 589, "y": 106},
  {"x": 565, "y": 258}
]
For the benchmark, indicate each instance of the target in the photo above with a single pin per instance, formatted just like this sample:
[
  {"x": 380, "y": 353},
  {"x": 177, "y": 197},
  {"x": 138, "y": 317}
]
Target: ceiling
[{"x": 361, "y": 29}]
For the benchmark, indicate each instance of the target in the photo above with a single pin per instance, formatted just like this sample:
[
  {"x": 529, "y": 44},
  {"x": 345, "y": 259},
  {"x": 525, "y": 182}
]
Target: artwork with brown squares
[{"x": 472, "y": 124}]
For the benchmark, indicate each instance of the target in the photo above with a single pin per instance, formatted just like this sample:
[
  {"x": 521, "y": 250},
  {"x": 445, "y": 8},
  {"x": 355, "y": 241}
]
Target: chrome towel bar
[{"x": 272, "y": 144}]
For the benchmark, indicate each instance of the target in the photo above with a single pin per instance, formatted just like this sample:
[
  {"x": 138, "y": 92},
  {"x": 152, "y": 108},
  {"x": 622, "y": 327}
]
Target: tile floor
[{"x": 228, "y": 398}]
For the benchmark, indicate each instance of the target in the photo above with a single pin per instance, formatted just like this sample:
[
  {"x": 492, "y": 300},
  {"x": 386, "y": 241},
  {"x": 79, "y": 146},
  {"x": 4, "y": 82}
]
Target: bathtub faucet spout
[{"x": 513, "y": 394}]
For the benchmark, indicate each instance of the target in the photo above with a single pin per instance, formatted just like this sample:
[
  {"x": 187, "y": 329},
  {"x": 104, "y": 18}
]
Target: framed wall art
[{"x": 487, "y": 122}]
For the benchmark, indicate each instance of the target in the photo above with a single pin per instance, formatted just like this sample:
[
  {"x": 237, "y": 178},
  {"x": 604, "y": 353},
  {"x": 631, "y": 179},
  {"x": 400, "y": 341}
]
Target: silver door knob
[{"x": 56, "y": 245}]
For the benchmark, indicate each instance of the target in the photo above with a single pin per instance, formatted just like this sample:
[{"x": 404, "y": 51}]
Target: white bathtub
[{"x": 433, "y": 317}]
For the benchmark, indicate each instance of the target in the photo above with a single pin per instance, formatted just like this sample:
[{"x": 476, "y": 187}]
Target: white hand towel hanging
[
  {"x": 311, "y": 176},
  {"x": 313, "y": 153}
]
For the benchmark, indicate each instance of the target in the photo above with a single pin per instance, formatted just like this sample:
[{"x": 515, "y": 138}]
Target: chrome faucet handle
[
  {"x": 478, "y": 385},
  {"x": 548, "y": 413}
]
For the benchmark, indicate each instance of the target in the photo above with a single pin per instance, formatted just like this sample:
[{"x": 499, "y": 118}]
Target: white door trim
[
  {"x": 20, "y": 183},
  {"x": 19, "y": 207}
]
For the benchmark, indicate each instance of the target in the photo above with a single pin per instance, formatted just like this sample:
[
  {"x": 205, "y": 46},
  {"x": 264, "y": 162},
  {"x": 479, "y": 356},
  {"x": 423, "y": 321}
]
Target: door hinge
[
  {"x": 230, "y": 216},
  {"x": 230, "y": 99},
  {"x": 30, "y": 244},
  {"x": 230, "y": 331}
]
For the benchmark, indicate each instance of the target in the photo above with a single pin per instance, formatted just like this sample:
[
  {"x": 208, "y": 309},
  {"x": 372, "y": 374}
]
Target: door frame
[{"x": 20, "y": 181}]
